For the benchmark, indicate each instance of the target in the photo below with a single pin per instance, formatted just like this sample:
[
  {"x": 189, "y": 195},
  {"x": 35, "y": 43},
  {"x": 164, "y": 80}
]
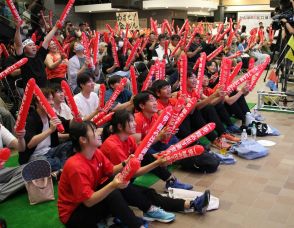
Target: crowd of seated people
[{"x": 89, "y": 185}]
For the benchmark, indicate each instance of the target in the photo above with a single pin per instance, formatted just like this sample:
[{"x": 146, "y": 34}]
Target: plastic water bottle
[
  {"x": 244, "y": 135},
  {"x": 223, "y": 150},
  {"x": 253, "y": 131}
]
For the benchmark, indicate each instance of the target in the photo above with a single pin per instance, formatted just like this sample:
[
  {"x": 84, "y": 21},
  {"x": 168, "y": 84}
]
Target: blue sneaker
[
  {"x": 174, "y": 183},
  {"x": 158, "y": 214},
  {"x": 233, "y": 129},
  {"x": 200, "y": 204}
]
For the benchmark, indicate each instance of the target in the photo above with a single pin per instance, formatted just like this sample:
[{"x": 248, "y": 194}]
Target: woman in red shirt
[
  {"x": 85, "y": 193},
  {"x": 56, "y": 64},
  {"x": 118, "y": 147}
]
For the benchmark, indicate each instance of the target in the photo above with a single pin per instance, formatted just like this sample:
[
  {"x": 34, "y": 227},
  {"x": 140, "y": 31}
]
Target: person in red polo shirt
[
  {"x": 118, "y": 147},
  {"x": 146, "y": 105},
  {"x": 85, "y": 193}
]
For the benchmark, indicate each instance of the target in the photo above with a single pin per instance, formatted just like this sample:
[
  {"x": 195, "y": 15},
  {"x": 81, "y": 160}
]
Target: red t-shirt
[
  {"x": 144, "y": 124},
  {"x": 79, "y": 180},
  {"x": 171, "y": 101},
  {"x": 116, "y": 150},
  {"x": 207, "y": 91}
]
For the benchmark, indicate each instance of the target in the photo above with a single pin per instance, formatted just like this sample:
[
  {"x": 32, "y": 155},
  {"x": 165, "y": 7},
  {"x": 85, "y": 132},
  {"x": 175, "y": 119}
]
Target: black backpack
[{"x": 207, "y": 162}]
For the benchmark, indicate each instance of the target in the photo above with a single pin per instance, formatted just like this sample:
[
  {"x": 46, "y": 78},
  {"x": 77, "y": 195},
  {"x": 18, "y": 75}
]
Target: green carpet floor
[{"x": 19, "y": 214}]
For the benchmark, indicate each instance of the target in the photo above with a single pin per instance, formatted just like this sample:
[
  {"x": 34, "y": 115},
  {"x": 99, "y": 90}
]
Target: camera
[{"x": 284, "y": 11}]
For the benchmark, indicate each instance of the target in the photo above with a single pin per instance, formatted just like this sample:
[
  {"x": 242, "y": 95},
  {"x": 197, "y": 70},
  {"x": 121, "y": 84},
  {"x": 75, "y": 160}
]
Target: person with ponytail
[
  {"x": 87, "y": 193},
  {"x": 118, "y": 147}
]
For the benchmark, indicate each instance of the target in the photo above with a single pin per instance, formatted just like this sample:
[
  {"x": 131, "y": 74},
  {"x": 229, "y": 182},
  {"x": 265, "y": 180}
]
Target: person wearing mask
[{"x": 79, "y": 64}]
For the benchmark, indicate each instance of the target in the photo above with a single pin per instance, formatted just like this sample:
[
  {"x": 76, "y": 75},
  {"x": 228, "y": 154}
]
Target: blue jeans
[
  {"x": 159, "y": 146},
  {"x": 58, "y": 155}
]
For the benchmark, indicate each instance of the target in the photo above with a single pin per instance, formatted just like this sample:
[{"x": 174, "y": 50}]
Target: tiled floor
[{"x": 257, "y": 193}]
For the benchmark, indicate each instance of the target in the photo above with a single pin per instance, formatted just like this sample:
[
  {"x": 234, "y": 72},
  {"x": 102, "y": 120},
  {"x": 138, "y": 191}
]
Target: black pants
[
  {"x": 143, "y": 198},
  {"x": 192, "y": 123},
  {"x": 159, "y": 171},
  {"x": 239, "y": 108},
  {"x": 113, "y": 204},
  {"x": 223, "y": 114},
  {"x": 210, "y": 115}
]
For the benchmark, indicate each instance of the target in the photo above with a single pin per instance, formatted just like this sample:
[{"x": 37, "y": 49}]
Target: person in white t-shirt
[
  {"x": 87, "y": 101},
  {"x": 10, "y": 178},
  {"x": 60, "y": 107}
]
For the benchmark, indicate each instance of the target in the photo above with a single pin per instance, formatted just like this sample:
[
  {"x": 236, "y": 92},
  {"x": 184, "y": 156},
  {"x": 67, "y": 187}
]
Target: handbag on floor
[{"x": 38, "y": 181}]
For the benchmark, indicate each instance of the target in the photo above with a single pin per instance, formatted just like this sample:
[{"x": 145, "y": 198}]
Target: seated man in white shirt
[
  {"x": 11, "y": 178},
  {"x": 86, "y": 100}
]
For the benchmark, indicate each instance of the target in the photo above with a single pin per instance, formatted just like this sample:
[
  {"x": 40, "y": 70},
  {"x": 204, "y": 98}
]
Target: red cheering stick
[
  {"x": 176, "y": 111},
  {"x": 4, "y": 50},
  {"x": 244, "y": 78},
  {"x": 129, "y": 170},
  {"x": 225, "y": 71},
  {"x": 114, "y": 52},
  {"x": 153, "y": 132},
  {"x": 162, "y": 65},
  {"x": 183, "y": 74},
  {"x": 185, "y": 112},
  {"x": 148, "y": 78},
  {"x": 271, "y": 34},
  {"x": 110, "y": 29},
  {"x": 238, "y": 26},
  {"x": 162, "y": 27},
  {"x": 14, "y": 12},
  {"x": 102, "y": 91},
  {"x": 143, "y": 45},
  {"x": 95, "y": 47},
  {"x": 25, "y": 105},
  {"x": 50, "y": 18},
  {"x": 4, "y": 156},
  {"x": 182, "y": 154},
  {"x": 166, "y": 48},
  {"x": 157, "y": 69},
  {"x": 196, "y": 65},
  {"x": 219, "y": 30},
  {"x": 47, "y": 107},
  {"x": 12, "y": 68},
  {"x": 70, "y": 101},
  {"x": 125, "y": 46},
  {"x": 250, "y": 66},
  {"x": 133, "y": 53},
  {"x": 183, "y": 27},
  {"x": 253, "y": 83},
  {"x": 66, "y": 49},
  {"x": 233, "y": 74},
  {"x": 196, "y": 30},
  {"x": 215, "y": 53},
  {"x": 200, "y": 76},
  {"x": 105, "y": 119},
  {"x": 115, "y": 94},
  {"x": 98, "y": 117},
  {"x": 192, "y": 138},
  {"x": 153, "y": 26},
  {"x": 167, "y": 26},
  {"x": 133, "y": 81},
  {"x": 65, "y": 13},
  {"x": 237, "y": 54},
  {"x": 230, "y": 39}
]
